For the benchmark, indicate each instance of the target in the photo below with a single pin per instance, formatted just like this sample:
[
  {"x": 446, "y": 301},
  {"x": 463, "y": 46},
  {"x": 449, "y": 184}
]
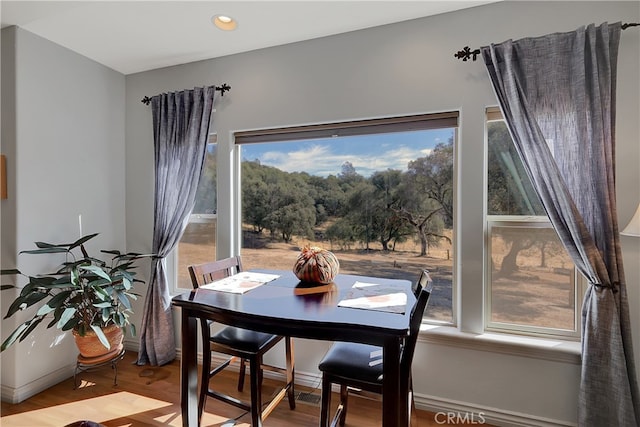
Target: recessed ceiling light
[{"x": 224, "y": 22}]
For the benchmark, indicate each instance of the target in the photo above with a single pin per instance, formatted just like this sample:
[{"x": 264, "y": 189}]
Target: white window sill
[{"x": 556, "y": 350}]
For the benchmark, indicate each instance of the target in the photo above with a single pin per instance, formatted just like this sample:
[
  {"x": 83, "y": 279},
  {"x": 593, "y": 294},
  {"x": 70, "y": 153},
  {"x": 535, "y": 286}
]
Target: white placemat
[
  {"x": 241, "y": 282},
  {"x": 373, "y": 296}
]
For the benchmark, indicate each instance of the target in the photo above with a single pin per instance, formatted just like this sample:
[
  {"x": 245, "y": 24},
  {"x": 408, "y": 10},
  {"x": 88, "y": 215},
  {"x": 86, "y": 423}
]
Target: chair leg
[
  {"x": 243, "y": 372},
  {"x": 204, "y": 381},
  {"x": 326, "y": 401},
  {"x": 256, "y": 392},
  {"x": 206, "y": 366},
  {"x": 344, "y": 396},
  {"x": 290, "y": 363},
  {"x": 413, "y": 417}
]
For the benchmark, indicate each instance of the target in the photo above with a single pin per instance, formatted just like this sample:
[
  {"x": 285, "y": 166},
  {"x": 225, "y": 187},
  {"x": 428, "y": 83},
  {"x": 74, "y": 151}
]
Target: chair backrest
[
  {"x": 422, "y": 290},
  {"x": 208, "y": 272},
  {"x": 424, "y": 281}
]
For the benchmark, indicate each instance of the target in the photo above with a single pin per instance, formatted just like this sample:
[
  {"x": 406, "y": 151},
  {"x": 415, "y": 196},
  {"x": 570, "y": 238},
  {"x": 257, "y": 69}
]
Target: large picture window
[
  {"x": 378, "y": 193},
  {"x": 532, "y": 282}
]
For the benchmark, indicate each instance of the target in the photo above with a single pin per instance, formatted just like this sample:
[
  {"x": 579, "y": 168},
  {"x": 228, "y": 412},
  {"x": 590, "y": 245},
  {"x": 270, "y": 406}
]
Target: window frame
[
  {"x": 388, "y": 124},
  {"x": 526, "y": 222},
  {"x": 494, "y": 114},
  {"x": 173, "y": 260}
]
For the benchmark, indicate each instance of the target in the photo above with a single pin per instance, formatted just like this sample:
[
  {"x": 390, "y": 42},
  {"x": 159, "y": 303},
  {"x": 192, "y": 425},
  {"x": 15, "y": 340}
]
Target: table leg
[
  {"x": 256, "y": 397},
  {"x": 189, "y": 371},
  {"x": 394, "y": 411}
]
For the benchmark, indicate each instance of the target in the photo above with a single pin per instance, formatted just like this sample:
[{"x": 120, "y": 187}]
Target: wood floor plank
[{"x": 150, "y": 396}]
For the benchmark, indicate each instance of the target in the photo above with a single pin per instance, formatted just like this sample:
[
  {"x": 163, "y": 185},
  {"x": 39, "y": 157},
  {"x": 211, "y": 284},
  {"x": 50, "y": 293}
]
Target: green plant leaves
[
  {"x": 105, "y": 304},
  {"x": 59, "y": 299},
  {"x": 96, "y": 270},
  {"x": 21, "y": 332},
  {"x": 100, "y": 292},
  {"x": 25, "y": 301},
  {"x": 46, "y": 250},
  {"x": 44, "y": 310},
  {"x": 124, "y": 300},
  {"x": 101, "y": 336},
  {"x": 67, "y": 315},
  {"x": 82, "y": 240},
  {"x": 13, "y": 337},
  {"x": 84, "y": 292}
]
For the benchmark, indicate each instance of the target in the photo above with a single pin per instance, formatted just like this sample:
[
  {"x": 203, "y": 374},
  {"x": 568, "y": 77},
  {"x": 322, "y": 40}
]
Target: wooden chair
[
  {"x": 240, "y": 344},
  {"x": 348, "y": 364}
]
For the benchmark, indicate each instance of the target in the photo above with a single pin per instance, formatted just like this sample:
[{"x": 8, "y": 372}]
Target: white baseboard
[{"x": 17, "y": 395}]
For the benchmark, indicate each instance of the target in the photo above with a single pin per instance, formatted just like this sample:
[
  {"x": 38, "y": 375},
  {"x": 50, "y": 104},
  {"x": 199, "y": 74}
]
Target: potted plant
[{"x": 87, "y": 295}]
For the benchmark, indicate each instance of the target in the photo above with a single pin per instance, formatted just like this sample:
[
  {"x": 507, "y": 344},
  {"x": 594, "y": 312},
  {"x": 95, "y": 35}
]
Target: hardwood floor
[{"x": 149, "y": 396}]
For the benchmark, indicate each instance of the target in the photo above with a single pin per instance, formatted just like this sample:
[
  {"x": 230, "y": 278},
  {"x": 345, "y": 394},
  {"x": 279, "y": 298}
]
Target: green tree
[
  {"x": 256, "y": 193},
  {"x": 425, "y": 198},
  {"x": 292, "y": 208},
  {"x": 432, "y": 175},
  {"x": 329, "y": 196},
  {"x": 341, "y": 233},
  {"x": 387, "y": 225},
  {"x": 348, "y": 177},
  {"x": 295, "y": 218},
  {"x": 278, "y": 201},
  {"x": 360, "y": 209},
  {"x": 421, "y": 212}
]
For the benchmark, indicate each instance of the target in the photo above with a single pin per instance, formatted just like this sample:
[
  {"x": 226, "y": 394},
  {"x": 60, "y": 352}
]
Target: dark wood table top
[{"x": 287, "y": 307}]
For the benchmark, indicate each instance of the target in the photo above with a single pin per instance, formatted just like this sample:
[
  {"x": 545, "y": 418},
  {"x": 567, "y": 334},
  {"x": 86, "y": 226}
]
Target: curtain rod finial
[
  {"x": 223, "y": 88},
  {"x": 467, "y": 53},
  {"x": 146, "y": 100}
]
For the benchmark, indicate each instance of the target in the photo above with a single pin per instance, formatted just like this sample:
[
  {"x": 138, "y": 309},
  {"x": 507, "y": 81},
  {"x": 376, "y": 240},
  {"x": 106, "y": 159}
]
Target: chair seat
[
  {"x": 359, "y": 366},
  {"x": 361, "y": 362},
  {"x": 243, "y": 339}
]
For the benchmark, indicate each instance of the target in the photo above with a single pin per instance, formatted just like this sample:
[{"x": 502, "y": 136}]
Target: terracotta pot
[{"x": 90, "y": 346}]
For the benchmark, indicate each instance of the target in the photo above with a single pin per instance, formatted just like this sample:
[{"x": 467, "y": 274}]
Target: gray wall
[
  {"x": 63, "y": 134},
  {"x": 400, "y": 69}
]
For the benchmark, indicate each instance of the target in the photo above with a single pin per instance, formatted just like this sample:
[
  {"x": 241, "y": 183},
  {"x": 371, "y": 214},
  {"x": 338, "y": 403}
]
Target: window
[
  {"x": 532, "y": 282},
  {"x": 198, "y": 243},
  {"x": 378, "y": 193}
]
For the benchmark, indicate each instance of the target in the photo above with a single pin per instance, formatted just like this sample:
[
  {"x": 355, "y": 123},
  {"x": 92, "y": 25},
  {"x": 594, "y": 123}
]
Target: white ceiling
[{"x": 133, "y": 36}]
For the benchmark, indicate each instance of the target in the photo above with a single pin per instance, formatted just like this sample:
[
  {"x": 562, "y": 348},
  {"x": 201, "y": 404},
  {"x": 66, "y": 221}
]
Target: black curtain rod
[
  {"x": 466, "y": 53},
  {"x": 222, "y": 89}
]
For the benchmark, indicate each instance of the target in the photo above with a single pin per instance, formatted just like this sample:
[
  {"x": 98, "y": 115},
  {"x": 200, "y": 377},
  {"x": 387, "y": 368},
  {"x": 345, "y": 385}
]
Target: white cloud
[{"x": 321, "y": 160}]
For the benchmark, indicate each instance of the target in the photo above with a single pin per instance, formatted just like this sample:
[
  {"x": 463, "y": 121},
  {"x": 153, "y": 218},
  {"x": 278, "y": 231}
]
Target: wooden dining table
[{"x": 287, "y": 307}]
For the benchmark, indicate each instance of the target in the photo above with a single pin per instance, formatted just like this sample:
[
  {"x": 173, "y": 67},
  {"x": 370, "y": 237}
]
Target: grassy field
[{"x": 533, "y": 296}]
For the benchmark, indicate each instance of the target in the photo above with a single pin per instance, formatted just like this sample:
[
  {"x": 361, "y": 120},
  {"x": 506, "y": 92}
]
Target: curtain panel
[
  {"x": 557, "y": 95},
  {"x": 181, "y": 123}
]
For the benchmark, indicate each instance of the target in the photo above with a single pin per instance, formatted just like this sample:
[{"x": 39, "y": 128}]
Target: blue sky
[{"x": 370, "y": 153}]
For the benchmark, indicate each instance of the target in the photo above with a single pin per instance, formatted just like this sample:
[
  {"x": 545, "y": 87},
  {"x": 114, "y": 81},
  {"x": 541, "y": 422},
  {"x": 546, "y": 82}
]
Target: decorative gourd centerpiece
[{"x": 316, "y": 266}]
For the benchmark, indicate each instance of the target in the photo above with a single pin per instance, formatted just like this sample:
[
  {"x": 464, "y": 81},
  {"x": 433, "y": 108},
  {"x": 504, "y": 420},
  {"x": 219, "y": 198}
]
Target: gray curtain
[
  {"x": 557, "y": 94},
  {"x": 180, "y": 132}
]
